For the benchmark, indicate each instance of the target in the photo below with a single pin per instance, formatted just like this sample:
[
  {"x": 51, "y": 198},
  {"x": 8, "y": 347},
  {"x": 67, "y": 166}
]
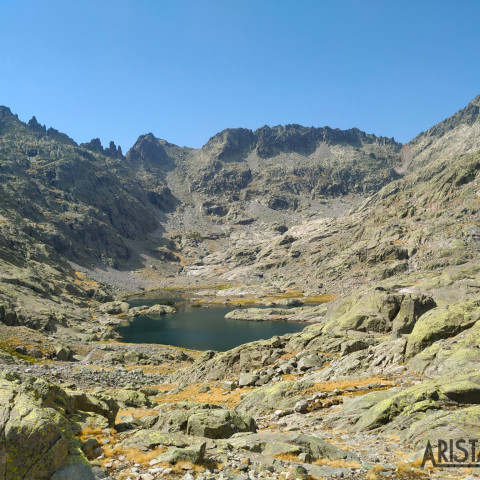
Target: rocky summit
[{"x": 374, "y": 245}]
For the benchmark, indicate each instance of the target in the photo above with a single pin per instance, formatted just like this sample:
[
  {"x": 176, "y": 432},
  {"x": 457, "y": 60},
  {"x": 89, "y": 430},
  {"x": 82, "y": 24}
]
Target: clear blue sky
[{"x": 186, "y": 69}]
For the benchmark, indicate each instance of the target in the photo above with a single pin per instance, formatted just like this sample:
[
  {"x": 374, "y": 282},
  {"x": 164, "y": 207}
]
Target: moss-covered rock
[
  {"x": 370, "y": 311},
  {"x": 130, "y": 398},
  {"x": 411, "y": 309},
  {"x": 173, "y": 417},
  {"x": 192, "y": 454},
  {"x": 404, "y": 408},
  {"x": 444, "y": 425},
  {"x": 272, "y": 397},
  {"x": 103, "y": 405},
  {"x": 74, "y": 472},
  {"x": 219, "y": 423},
  {"x": 160, "y": 310},
  {"x": 147, "y": 439},
  {"x": 377, "y": 310},
  {"x": 460, "y": 353},
  {"x": 35, "y": 440},
  {"x": 115, "y": 308},
  {"x": 290, "y": 443},
  {"x": 442, "y": 322}
]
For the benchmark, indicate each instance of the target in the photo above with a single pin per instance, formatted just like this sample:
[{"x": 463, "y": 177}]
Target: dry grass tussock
[
  {"x": 83, "y": 282},
  {"x": 339, "y": 463},
  {"x": 217, "y": 395},
  {"x": 131, "y": 454}
]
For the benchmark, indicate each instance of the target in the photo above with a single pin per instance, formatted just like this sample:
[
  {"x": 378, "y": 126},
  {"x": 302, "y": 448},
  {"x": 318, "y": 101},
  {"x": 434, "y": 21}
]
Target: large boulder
[
  {"x": 442, "y": 322},
  {"x": 219, "y": 423},
  {"x": 281, "y": 395},
  {"x": 377, "y": 310},
  {"x": 127, "y": 398},
  {"x": 460, "y": 353},
  {"x": 411, "y": 309},
  {"x": 35, "y": 439},
  {"x": 192, "y": 454},
  {"x": 371, "y": 311},
  {"x": 146, "y": 439},
  {"x": 173, "y": 417},
  {"x": 203, "y": 420},
  {"x": 74, "y": 472},
  {"x": 292, "y": 444},
  {"x": 444, "y": 425},
  {"x": 115, "y": 308},
  {"x": 401, "y": 409},
  {"x": 103, "y": 405},
  {"x": 160, "y": 310},
  {"x": 63, "y": 353}
]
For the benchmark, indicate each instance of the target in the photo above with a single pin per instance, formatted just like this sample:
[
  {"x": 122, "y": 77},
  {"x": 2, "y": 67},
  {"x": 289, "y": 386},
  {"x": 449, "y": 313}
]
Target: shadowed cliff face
[
  {"x": 294, "y": 162},
  {"x": 85, "y": 201}
]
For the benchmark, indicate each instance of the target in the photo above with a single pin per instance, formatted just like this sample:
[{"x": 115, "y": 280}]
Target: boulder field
[{"x": 357, "y": 394}]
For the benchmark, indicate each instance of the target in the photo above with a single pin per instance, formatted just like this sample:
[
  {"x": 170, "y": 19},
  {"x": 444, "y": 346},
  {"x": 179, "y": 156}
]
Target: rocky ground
[{"x": 356, "y": 394}]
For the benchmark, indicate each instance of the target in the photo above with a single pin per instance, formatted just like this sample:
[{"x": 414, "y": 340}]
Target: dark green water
[{"x": 201, "y": 329}]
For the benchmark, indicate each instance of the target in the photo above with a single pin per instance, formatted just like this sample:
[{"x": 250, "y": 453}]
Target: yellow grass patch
[
  {"x": 88, "y": 432},
  {"x": 83, "y": 282},
  {"x": 286, "y": 457},
  {"x": 408, "y": 469},
  {"x": 324, "y": 298},
  {"x": 288, "y": 356},
  {"x": 131, "y": 454},
  {"x": 12, "y": 342},
  {"x": 339, "y": 463},
  {"x": 217, "y": 396}
]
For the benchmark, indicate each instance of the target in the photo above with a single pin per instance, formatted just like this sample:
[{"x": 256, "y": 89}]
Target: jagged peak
[
  {"x": 148, "y": 148},
  {"x": 95, "y": 145},
  {"x": 147, "y": 138},
  {"x": 231, "y": 143},
  {"x": 235, "y": 143},
  {"x": 476, "y": 101},
  {"x": 36, "y": 127},
  {"x": 5, "y": 112}
]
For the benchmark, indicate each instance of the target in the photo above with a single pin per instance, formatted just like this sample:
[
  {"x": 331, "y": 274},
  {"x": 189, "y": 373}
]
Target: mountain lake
[{"x": 203, "y": 328}]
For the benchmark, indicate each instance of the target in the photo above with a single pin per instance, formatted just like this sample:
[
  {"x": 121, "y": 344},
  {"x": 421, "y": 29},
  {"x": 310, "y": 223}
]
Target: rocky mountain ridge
[{"x": 278, "y": 217}]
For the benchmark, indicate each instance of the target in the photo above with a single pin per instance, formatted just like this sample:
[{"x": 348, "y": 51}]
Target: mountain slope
[
  {"x": 84, "y": 201},
  {"x": 412, "y": 228},
  {"x": 219, "y": 213},
  {"x": 457, "y": 134},
  {"x": 284, "y": 167}
]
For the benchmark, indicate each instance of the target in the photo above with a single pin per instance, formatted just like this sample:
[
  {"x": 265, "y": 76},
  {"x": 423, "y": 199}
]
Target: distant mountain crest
[{"x": 235, "y": 143}]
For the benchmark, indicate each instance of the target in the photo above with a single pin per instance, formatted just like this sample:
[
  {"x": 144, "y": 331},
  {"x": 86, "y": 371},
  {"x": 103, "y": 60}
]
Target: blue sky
[{"x": 186, "y": 69}]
